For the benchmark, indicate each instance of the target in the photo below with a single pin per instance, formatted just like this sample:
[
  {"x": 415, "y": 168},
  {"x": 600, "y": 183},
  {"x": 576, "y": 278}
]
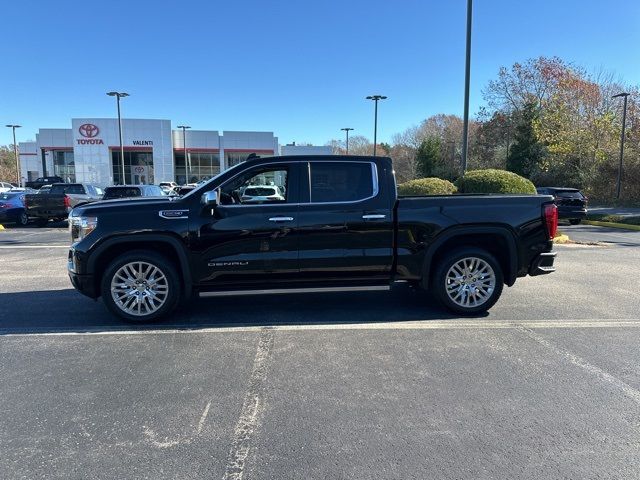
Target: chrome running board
[{"x": 278, "y": 291}]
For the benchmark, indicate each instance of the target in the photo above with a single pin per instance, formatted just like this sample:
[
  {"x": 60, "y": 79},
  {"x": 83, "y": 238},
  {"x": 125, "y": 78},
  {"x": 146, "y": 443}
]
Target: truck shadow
[{"x": 58, "y": 311}]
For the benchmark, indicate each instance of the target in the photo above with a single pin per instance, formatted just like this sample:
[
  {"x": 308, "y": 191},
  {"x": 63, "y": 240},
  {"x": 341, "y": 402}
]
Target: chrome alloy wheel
[
  {"x": 139, "y": 288},
  {"x": 470, "y": 282}
]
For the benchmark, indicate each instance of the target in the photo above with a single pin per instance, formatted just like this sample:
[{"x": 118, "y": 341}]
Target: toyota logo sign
[{"x": 88, "y": 130}]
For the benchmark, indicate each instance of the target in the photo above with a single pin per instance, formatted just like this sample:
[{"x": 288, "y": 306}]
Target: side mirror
[{"x": 211, "y": 198}]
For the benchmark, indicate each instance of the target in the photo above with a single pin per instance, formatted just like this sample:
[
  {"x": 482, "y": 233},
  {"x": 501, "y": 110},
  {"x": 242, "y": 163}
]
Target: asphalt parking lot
[{"x": 359, "y": 385}]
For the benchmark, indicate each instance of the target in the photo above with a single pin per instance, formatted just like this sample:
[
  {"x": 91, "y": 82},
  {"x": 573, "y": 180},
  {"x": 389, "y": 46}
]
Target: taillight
[
  {"x": 67, "y": 201},
  {"x": 550, "y": 215}
]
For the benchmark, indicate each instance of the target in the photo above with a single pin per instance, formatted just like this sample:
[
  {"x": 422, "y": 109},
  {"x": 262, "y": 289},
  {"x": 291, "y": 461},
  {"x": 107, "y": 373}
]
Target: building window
[
  {"x": 201, "y": 166},
  {"x": 64, "y": 165},
  {"x": 234, "y": 158},
  {"x": 138, "y": 168}
]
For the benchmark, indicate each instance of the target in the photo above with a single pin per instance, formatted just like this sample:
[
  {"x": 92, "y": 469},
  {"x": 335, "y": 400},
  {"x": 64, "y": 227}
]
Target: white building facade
[{"x": 89, "y": 152}]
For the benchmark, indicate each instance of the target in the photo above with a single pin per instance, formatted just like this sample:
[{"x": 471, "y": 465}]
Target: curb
[{"x": 622, "y": 226}]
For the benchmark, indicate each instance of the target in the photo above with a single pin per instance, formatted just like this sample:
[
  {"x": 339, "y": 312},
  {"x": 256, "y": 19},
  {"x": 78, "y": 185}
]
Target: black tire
[
  {"x": 22, "y": 219},
  {"x": 163, "y": 265},
  {"x": 575, "y": 221},
  {"x": 42, "y": 222},
  {"x": 438, "y": 284}
]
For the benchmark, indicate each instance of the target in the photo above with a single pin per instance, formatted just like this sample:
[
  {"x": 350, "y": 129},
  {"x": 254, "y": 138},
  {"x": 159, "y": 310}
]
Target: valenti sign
[{"x": 89, "y": 131}]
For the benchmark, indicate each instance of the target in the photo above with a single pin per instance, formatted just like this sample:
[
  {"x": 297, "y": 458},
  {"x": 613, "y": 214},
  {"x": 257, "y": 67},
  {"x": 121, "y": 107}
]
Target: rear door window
[{"x": 332, "y": 182}]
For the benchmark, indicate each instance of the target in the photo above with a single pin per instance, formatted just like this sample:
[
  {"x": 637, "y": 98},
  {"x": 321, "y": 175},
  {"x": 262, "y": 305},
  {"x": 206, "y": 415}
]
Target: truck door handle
[
  {"x": 281, "y": 219},
  {"x": 374, "y": 217}
]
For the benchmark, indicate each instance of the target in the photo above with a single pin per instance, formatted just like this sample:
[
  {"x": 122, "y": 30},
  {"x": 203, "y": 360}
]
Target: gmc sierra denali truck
[{"x": 335, "y": 224}]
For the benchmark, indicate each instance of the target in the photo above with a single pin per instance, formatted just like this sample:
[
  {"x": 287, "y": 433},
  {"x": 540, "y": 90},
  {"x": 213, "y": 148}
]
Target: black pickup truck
[{"x": 336, "y": 225}]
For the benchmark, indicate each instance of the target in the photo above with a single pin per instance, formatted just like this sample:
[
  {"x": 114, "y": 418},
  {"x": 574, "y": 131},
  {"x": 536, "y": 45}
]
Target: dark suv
[{"x": 572, "y": 204}]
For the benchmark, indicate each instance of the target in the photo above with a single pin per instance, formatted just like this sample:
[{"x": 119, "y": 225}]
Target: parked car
[
  {"x": 132, "y": 191},
  {"x": 182, "y": 191},
  {"x": 59, "y": 201},
  {"x": 5, "y": 187},
  {"x": 41, "y": 181},
  {"x": 572, "y": 204},
  {"x": 12, "y": 208},
  {"x": 143, "y": 256},
  {"x": 262, "y": 193},
  {"x": 170, "y": 185}
]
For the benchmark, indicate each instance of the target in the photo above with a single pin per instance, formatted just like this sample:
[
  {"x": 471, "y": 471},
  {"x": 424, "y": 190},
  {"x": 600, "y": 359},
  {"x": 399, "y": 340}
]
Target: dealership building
[{"x": 89, "y": 152}]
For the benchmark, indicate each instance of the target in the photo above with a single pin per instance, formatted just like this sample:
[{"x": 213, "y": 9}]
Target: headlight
[{"x": 80, "y": 227}]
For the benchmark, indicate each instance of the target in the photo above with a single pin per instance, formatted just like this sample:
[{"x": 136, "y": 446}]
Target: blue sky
[{"x": 298, "y": 68}]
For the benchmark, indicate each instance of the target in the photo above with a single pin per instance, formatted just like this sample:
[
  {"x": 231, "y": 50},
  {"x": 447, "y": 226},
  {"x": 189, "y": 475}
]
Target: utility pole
[
  {"x": 187, "y": 163},
  {"x": 119, "y": 95},
  {"x": 346, "y": 129},
  {"x": 467, "y": 73},
  {"x": 624, "y": 121},
  {"x": 375, "y": 98}
]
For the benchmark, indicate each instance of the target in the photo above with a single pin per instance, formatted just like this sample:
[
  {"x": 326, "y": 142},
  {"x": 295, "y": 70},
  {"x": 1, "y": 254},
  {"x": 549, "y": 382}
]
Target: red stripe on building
[
  {"x": 246, "y": 150},
  {"x": 64, "y": 149},
  {"x": 20, "y": 153},
  {"x": 198, "y": 150},
  {"x": 148, "y": 148}
]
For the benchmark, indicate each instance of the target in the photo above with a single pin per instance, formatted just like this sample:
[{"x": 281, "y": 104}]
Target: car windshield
[{"x": 260, "y": 191}]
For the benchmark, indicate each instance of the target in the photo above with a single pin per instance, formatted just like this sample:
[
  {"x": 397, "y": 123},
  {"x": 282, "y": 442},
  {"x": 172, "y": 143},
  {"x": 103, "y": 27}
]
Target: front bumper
[
  {"x": 543, "y": 264},
  {"x": 84, "y": 283}
]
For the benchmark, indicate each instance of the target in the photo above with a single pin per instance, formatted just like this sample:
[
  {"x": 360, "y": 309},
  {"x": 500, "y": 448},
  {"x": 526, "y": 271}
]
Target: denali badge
[
  {"x": 173, "y": 214},
  {"x": 228, "y": 264}
]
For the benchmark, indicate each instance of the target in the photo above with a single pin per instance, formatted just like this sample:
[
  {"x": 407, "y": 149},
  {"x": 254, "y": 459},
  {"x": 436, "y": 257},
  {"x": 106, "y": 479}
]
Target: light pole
[
  {"x": 624, "y": 121},
  {"x": 15, "y": 153},
  {"x": 187, "y": 164},
  {"x": 375, "y": 98},
  {"x": 467, "y": 71},
  {"x": 346, "y": 129},
  {"x": 118, "y": 96}
]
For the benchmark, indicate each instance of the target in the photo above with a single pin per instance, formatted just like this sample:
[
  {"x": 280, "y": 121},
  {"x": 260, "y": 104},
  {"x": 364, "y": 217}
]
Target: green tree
[
  {"x": 7, "y": 164},
  {"x": 428, "y": 158},
  {"x": 527, "y": 152}
]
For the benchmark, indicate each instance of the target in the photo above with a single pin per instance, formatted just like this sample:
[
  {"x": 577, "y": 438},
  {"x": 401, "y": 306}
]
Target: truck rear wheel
[
  {"x": 468, "y": 281},
  {"x": 140, "y": 286}
]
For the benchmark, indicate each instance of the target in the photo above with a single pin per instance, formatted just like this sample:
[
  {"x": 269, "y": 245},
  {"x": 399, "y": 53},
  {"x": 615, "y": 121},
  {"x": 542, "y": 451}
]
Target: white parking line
[
  {"x": 252, "y": 409},
  {"x": 15, "y": 247},
  {"x": 603, "y": 375},
  {"x": 412, "y": 325}
]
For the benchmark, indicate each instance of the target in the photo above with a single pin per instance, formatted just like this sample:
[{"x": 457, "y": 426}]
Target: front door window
[{"x": 257, "y": 187}]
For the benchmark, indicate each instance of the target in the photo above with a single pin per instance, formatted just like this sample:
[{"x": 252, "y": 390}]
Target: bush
[
  {"x": 494, "y": 181},
  {"x": 427, "y": 186}
]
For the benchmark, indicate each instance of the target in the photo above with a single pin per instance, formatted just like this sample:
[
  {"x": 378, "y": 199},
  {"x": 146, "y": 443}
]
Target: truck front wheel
[
  {"x": 140, "y": 286},
  {"x": 468, "y": 281}
]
